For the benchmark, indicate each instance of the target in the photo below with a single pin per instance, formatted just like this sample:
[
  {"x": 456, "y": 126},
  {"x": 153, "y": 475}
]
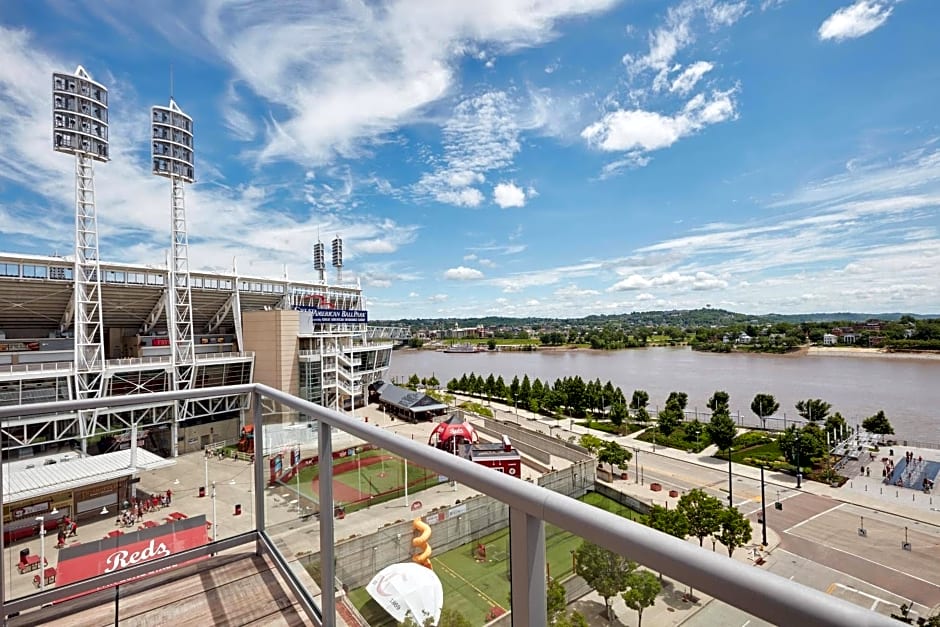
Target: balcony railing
[{"x": 757, "y": 592}]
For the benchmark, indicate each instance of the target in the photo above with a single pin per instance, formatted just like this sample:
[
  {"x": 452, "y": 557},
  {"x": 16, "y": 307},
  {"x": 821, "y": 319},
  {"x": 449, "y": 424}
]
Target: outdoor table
[
  {"x": 30, "y": 563},
  {"x": 48, "y": 574}
]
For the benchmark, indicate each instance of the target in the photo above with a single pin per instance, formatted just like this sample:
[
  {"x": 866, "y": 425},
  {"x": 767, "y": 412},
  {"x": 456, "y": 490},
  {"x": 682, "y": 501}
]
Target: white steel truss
[
  {"x": 88, "y": 324},
  {"x": 179, "y": 313}
]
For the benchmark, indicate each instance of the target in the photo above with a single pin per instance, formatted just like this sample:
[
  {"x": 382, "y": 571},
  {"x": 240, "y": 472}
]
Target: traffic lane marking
[{"x": 813, "y": 517}]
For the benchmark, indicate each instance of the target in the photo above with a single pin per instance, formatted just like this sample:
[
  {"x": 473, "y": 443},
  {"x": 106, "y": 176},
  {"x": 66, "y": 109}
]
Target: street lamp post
[
  {"x": 636, "y": 458},
  {"x": 215, "y": 524},
  {"x": 799, "y": 469},
  {"x": 42, "y": 551},
  {"x": 763, "y": 508}
]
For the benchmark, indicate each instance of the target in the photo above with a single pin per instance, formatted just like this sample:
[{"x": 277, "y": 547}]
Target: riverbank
[{"x": 879, "y": 353}]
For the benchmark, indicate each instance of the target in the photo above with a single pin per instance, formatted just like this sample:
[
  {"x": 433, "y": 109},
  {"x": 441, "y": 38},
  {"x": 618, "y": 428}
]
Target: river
[{"x": 908, "y": 390}]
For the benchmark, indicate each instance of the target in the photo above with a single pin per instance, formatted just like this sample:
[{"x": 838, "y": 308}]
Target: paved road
[{"x": 826, "y": 532}]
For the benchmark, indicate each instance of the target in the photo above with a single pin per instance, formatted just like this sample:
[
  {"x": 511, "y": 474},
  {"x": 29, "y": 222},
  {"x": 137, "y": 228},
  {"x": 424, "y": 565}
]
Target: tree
[
  {"x": 605, "y": 571},
  {"x": 680, "y": 398},
  {"x": 693, "y": 430},
  {"x": 591, "y": 442},
  {"x": 671, "y": 521},
  {"x": 718, "y": 402},
  {"x": 449, "y": 618},
  {"x": 639, "y": 400},
  {"x": 813, "y": 409},
  {"x": 735, "y": 529},
  {"x": 878, "y": 424},
  {"x": 721, "y": 430},
  {"x": 669, "y": 419},
  {"x": 574, "y": 619},
  {"x": 615, "y": 455},
  {"x": 414, "y": 381},
  {"x": 491, "y": 344},
  {"x": 643, "y": 589},
  {"x": 618, "y": 413},
  {"x": 556, "y": 600},
  {"x": 702, "y": 513},
  {"x": 801, "y": 446},
  {"x": 433, "y": 382},
  {"x": 764, "y": 405}
]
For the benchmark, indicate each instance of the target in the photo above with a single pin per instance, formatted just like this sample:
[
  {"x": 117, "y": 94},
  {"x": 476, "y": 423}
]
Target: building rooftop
[{"x": 20, "y": 481}]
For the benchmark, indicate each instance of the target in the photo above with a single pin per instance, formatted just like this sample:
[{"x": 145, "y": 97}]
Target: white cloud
[
  {"x": 482, "y": 135},
  {"x": 698, "y": 281},
  {"x": 574, "y": 292},
  {"x": 855, "y": 20},
  {"x": 437, "y": 298},
  {"x": 509, "y": 195},
  {"x": 463, "y": 273},
  {"x": 690, "y": 76},
  {"x": 343, "y": 74},
  {"x": 463, "y": 197},
  {"x": 772, "y": 4},
  {"x": 677, "y": 33},
  {"x": 645, "y": 296},
  {"x": 640, "y": 131}
]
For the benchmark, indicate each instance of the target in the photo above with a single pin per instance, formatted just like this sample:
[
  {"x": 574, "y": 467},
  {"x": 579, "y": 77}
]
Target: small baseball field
[
  {"x": 366, "y": 478},
  {"x": 479, "y": 588}
]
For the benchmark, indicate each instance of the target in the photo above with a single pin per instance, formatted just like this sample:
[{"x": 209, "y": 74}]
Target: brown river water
[{"x": 907, "y": 389}]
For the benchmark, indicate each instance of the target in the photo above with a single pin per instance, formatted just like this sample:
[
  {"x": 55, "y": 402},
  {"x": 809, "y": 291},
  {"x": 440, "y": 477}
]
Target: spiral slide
[{"x": 420, "y": 542}]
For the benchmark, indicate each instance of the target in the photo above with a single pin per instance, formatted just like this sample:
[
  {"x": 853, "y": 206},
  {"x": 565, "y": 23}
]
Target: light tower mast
[
  {"x": 172, "y": 157},
  {"x": 338, "y": 258},
  {"x": 319, "y": 260},
  {"x": 80, "y": 128}
]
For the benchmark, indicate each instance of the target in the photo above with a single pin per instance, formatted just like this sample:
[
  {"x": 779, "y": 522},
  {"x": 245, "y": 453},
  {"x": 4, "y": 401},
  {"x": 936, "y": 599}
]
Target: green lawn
[
  {"x": 473, "y": 588},
  {"x": 677, "y": 439}
]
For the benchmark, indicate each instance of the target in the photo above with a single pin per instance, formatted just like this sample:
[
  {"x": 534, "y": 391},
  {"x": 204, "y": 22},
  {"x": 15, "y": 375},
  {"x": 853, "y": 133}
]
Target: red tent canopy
[{"x": 456, "y": 426}]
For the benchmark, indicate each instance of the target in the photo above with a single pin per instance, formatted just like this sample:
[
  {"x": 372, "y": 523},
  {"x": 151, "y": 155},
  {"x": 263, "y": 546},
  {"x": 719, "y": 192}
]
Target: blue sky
[{"x": 500, "y": 157}]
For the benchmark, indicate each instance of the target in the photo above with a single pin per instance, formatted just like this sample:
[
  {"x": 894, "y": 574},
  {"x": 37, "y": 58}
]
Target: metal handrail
[{"x": 757, "y": 592}]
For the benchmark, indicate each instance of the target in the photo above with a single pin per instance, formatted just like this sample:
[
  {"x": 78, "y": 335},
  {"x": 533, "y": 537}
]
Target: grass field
[
  {"x": 473, "y": 588},
  {"x": 378, "y": 472}
]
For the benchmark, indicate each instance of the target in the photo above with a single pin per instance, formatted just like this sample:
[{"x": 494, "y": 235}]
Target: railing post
[
  {"x": 327, "y": 564},
  {"x": 258, "y": 451},
  {"x": 527, "y": 567}
]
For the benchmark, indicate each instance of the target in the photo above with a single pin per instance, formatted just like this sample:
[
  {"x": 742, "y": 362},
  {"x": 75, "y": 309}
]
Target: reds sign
[{"x": 82, "y": 561}]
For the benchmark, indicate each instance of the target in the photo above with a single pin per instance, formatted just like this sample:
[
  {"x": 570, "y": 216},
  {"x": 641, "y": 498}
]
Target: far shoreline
[{"x": 803, "y": 351}]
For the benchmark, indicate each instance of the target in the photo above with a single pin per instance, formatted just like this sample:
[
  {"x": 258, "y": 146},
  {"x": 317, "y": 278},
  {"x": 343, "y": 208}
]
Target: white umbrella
[{"x": 408, "y": 588}]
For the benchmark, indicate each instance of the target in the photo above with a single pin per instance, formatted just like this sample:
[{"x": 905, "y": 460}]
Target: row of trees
[
  {"x": 571, "y": 394},
  {"x": 578, "y": 398},
  {"x": 696, "y": 515}
]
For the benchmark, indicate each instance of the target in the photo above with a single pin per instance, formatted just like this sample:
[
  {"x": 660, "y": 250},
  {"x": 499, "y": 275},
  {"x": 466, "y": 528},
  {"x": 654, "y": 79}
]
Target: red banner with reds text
[{"x": 82, "y": 561}]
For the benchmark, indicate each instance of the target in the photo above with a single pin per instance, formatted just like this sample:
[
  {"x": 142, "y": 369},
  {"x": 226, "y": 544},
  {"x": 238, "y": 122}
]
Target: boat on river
[{"x": 464, "y": 348}]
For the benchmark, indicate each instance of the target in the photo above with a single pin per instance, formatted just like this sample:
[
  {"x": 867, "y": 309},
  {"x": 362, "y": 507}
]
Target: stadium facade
[{"x": 307, "y": 338}]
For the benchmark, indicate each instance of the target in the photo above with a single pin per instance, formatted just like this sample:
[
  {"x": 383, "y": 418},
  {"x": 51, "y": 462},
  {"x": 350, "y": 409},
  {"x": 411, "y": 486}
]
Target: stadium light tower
[
  {"x": 319, "y": 260},
  {"x": 172, "y": 158},
  {"x": 80, "y": 128},
  {"x": 338, "y": 258}
]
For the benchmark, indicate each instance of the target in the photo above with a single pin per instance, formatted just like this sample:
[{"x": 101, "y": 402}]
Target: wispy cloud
[
  {"x": 855, "y": 20},
  {"x": 343, "y": 74}
]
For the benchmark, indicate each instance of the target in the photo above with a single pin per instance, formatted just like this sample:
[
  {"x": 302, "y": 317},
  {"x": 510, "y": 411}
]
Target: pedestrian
[
  {"x": 868, "y": 472},
  {"x": 169, "y": 496}
]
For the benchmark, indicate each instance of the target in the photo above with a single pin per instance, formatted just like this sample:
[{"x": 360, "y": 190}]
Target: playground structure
[
  {"x": 247, "y": 442},
  {"x": 420, "y": 542}
]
